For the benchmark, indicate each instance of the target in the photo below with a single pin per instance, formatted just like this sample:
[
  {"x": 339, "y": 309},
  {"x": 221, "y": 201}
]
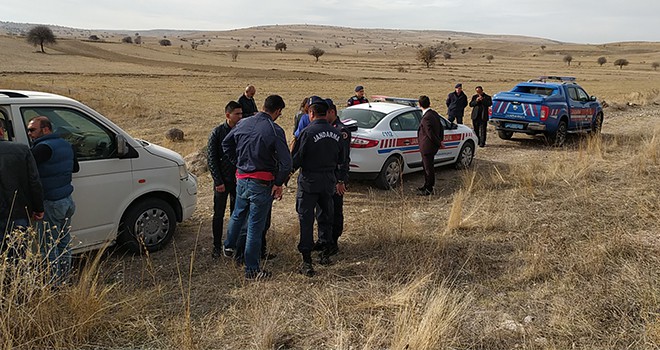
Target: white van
[{"x": 127, "y": 190}]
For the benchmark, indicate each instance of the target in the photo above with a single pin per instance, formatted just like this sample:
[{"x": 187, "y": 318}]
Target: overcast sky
[{"x": 580, "y": 21}]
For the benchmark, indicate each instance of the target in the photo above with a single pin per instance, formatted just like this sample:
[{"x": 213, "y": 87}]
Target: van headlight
[{"x": 183, "y": 172}]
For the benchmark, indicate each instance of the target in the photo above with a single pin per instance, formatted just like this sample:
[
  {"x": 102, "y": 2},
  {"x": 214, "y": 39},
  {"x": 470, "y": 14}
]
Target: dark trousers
[
  {"x": 480, "y": 126},
  {"x": 311, "y": 205},
  {"x": 458, "y": 118},
  {"x": 429, "y": 170},
  {"x": 219, "y": 207},
  {"x": 337, "y": 217}
]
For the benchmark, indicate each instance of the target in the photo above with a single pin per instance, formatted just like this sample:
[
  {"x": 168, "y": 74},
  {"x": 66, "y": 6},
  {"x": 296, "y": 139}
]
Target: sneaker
[
  {"x": 307, "y": 270},
  {"x": 227, "y": 252},
  {"x": 258, "y": 275},
  {"x": 217, "y": 252}
]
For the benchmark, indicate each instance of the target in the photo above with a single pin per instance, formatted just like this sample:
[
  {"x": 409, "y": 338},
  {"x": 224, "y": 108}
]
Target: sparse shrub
[
  {"x": 94, "y": 38},
  {"x": 174, "y": 134},
  {"x": 601, "y": 61},
  {"x": 621, "y": 62},
  {"x": 194, "y": 44},
  {"x": 490, "y": 58},
  {"x": 127, "y": 40},
  {"x": 400, "y": 68},
  {"x": 316, "y": 52},
  {"x": 655, "y": 65},
  {"x": 568, "y": 59},
  {"x": 446, "y": 55},
  {"x": 543, "y": 47},
  {"x": 41, "y": 35},
  {"x": 138, "y": 40},
  {"x": 247, "y": 46},
  {"x": 165, "y": 42},
  {"x": 427, "y": 55},
  {"x": 234, "y": 54},
  {"x": 280, "y": 47}
]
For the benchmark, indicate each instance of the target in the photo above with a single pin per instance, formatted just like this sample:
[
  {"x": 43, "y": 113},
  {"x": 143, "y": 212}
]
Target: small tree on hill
[
  {"x": 41, "y": 35},
  {"x": 655, "y": 65},
  {"x": 316, "y": 52},
  {"x": 280, "y": 47},
  {"x": 234, "y": 54},
  {"x": 601, "y": 61},
  {"x": 446, "y": 55},
  {"x": 490, "y": 58},
  {"x": 621, "y": 62},
  {"x": 568, "y": 59},
  {"x": 94, "y": 38},
  {"x": 138, "y": 40},
  {"x": 543, "y": 47},
  {"x": 427, "y": 55},
  {"x": 127, "y": 40},
  {"x": 165, "y": 42}
]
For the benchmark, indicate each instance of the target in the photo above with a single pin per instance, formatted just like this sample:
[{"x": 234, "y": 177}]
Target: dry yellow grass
[{"x": 534, "y": 247}]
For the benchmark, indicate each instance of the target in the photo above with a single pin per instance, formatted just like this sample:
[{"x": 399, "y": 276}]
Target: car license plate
[{"x": 513, "y": 126}]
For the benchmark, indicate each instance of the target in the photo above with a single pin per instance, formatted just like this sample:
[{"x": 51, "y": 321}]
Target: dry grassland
[{"x": 532, "y": 248}]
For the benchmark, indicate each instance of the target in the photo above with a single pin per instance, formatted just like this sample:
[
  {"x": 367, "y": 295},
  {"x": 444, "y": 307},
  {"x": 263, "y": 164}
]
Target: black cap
[
  {"x": 317, "y": 100},
  {"x": 459, "y": 85},
  {"x": 358, "y": 88},
  {"x": 331, "y": 105}
]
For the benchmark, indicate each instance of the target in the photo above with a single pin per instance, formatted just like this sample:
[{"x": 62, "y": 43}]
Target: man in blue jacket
[
  {"x": 56, "y": 161},
  {"x": 258, "y": 148}
]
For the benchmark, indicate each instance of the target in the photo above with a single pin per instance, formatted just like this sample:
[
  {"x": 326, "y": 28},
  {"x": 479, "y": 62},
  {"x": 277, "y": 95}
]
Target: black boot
[
  {"x": 307, "y": 269},
  {"x": 325, "y": 256}
]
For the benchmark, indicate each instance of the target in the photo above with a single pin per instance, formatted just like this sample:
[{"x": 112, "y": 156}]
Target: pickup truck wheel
[
  {"x": 390, "y": 175},
  {"x": 597, "y": 124},
  {"x": 505, "y": 135},
  {"x": 559, "y": 137},
  {"x": 465, "y": 156},
  {"x": 147, "y": 225}
]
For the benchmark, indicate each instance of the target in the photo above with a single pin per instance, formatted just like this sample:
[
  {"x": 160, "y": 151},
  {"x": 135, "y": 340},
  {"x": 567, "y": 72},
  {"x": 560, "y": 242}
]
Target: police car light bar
[
  {"x": 553, "y": 77},
  {"x": 399, "y": 100}
]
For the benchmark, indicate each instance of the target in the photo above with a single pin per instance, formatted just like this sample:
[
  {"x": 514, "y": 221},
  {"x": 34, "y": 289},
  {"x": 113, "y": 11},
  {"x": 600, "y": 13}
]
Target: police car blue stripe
[{"x": 402, "y": 149}]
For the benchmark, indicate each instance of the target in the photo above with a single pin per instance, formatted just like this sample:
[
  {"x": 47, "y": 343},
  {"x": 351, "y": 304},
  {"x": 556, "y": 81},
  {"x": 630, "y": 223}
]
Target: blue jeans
[
  {"x": 253, "y": 202},
  {"x": 55, "y": 236}
]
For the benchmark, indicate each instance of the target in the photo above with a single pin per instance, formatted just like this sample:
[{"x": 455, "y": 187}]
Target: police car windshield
[
  {"x": 365, "y": 118},
  {"x": 536, "y": 90}
]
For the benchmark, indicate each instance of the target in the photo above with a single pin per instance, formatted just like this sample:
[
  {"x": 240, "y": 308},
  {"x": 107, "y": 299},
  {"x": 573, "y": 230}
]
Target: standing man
[
  {"x": 56, "y": 161},
  {"x": 246, "y": 100},
  {"x": 317, "y": 152},
  {"x": 429, "y": 137},
  {"x": 223, "y": 173},
  {"x": 21, "y": 196},
  {"x": 358, "y": 97},
  {"x": 257, "y": 146},
  {"x": 342, "y": 180},
  {"x": 456, "y": 103},
  {"x": 480, "y": 103}
]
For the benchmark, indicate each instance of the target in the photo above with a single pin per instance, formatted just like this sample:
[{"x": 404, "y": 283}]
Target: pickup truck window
[
  {"x": 573, "y": 94},
  {"x": 582, "y": 95},
  {"x": 90, "y": 140},
  {"x": 536, "y": 90}
]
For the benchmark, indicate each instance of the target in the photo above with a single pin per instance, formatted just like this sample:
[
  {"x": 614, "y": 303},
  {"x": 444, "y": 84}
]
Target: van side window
[
  {"x": 90, "y": 139},
  {"x": 4, "y": 123}
]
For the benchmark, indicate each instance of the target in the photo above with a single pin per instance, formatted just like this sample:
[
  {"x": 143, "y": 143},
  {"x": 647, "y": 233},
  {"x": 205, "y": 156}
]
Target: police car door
[
  {"x": 404, "y": 129},
  {"x": 578, "y": 108}
]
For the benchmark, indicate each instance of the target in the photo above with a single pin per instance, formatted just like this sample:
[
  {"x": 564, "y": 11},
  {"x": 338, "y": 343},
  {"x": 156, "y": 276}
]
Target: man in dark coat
[
  {"x": 248, "y": 105},
  {"x": 429, "y": 136},
  {"x": 456, "y": 103},
  {"x": 480, "y": 103}
]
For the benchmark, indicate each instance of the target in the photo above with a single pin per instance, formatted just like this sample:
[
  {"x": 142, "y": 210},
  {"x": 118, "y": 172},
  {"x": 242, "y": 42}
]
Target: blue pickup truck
[{"x": 550, "y": 105}]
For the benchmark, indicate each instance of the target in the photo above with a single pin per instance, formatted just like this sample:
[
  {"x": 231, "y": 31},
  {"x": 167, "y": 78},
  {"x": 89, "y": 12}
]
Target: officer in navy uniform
[
  {"x": 342, "y": 180},
  {"x": 358, "y": 98},
  {"x": 317, "y": 152}
]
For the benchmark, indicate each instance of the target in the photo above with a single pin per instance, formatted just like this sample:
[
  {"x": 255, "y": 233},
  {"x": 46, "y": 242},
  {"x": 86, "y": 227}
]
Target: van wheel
[
  {"x": 390, "y": 174},
  {"x": 465, "y": 156},
  {"x": 505, "y": 135},
  {"x": 147, "y": 225},
  {"x": 558, "y": 138}
]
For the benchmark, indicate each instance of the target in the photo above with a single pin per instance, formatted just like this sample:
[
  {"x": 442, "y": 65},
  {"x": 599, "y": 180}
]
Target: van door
[{"x": 104, "y": 180}]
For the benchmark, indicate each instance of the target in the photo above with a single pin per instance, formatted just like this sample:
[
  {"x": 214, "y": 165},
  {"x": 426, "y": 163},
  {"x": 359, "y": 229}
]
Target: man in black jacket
[
  {"x": 223, "y": 173},
  {"x": 429, "y": 137},
  {"x": 246, "y": 100},
  {"x": 480, "y": 103},
  {"x": 21, "y": 195},
  {"x": 456, "y": 103}
]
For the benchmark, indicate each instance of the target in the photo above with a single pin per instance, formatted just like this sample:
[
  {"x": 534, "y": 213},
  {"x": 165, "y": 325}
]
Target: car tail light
[
  {"x": 545, "y": 112},
  {"x": 358, "y": 142}
]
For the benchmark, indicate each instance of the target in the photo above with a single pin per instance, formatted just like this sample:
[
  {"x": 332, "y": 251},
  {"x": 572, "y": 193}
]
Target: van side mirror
[
  {"x": 593, "y": 98},
  {"x": 122, "y": 145}
]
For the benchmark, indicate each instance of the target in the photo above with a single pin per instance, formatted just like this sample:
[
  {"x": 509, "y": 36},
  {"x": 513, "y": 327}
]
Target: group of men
[
  {"x": 456, "y": 103},
  {"x": 250, "y": 162},
  {"x": 35, "y": 186}
]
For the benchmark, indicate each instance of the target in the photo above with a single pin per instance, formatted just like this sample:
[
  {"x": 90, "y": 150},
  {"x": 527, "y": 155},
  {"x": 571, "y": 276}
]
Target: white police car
[{"x": 385, "y": 145}]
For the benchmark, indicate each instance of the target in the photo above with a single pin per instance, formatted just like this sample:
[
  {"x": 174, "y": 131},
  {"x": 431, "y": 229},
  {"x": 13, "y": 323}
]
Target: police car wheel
[
  {"x": 390, "y": 175},
  {"x": 147, "y": 225},
  {"x": 558, "y": 138},
  {"x": 465, "y": 156},
  {"x": 505, "y": 135}
]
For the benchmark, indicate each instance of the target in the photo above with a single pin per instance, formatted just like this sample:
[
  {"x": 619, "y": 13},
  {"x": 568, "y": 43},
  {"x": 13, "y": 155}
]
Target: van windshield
[
  {"x": 365, "y": 118},
  {"x": 536, "y": 90}
]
